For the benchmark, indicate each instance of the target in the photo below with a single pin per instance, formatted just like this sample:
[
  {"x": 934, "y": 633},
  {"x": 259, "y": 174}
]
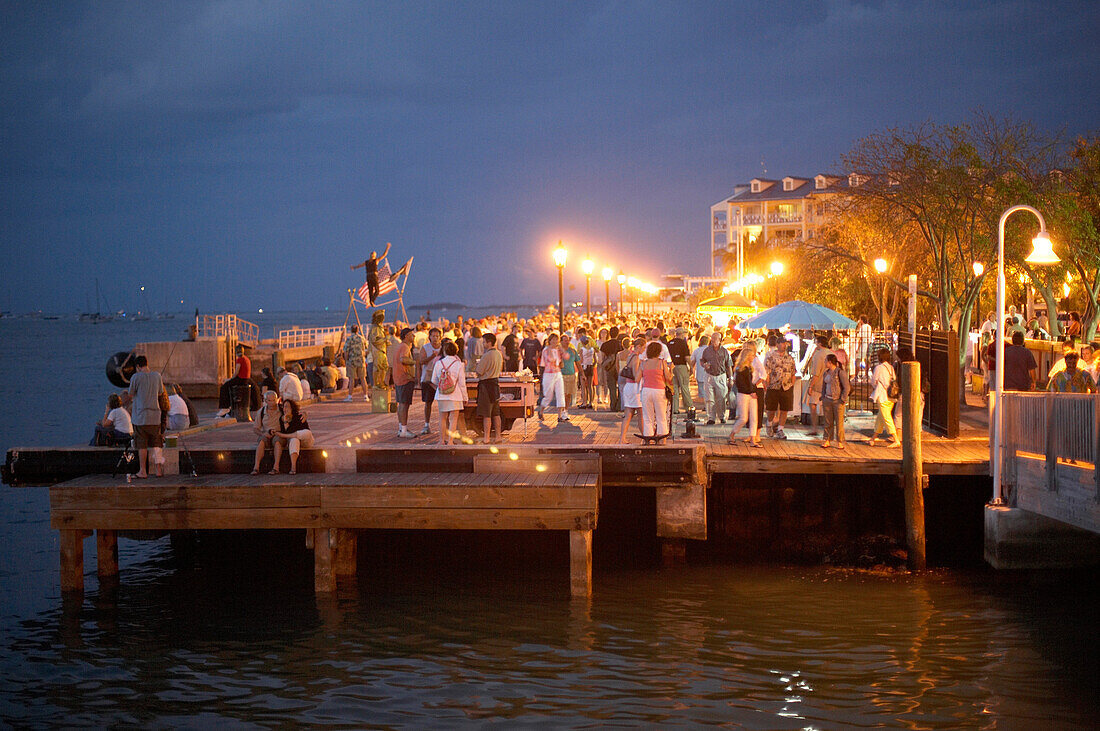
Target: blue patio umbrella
[{"x": 798, "y": 315}]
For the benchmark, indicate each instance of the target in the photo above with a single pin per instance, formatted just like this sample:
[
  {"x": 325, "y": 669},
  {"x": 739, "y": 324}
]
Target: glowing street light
[
  {"x": 1042, "y": 252},
  {"x": 777, "y": 271},
  {"x": 622, "y": 281},
  {"x": 979, "y": 270},
  {"x": 560, "y": 255},
  {"x": 881, "y": 265},
  {"x": 607, "y": 274},
  {"x": 588, "y": 266}
]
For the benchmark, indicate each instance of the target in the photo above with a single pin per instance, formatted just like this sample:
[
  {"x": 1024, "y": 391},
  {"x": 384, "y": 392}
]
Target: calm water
[{"x": 244, "y": 642}]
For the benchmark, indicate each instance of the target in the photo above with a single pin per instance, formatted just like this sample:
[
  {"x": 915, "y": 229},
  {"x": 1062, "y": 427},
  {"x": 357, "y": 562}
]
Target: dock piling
[
  {"x": 72, "y": 561},
  {"x": 324, "y": 581},
  {"x": 106, "y": 553},
  {"x": 912, "y": 464},
  {"x": 580, "y": 563}
]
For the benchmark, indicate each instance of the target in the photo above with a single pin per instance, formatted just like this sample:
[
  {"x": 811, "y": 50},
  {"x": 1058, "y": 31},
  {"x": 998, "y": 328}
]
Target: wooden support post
[
  {"x": 912, "y": 464},
  {"x": 323, "y": 578},
  {"x": 580, "y": 562},
  {"x": 673, "y": 552},
  {"x": 72, "y": 561},
  {"x": 345, "y": 562},
  {"x": 106, "y": 554}
]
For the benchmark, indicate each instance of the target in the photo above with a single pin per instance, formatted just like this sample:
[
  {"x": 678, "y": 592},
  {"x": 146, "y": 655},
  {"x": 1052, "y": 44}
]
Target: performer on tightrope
[{"x": 371, "y": 265}]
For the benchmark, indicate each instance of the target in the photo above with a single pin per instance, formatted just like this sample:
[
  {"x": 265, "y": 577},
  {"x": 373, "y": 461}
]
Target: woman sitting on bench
[
  {"x": 116, "y": 429},
  {"x": 293, "y": 432}
]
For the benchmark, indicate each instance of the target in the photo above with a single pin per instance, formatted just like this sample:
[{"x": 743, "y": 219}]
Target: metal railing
[
  {"x": 227, "y": 326},
  {"x": 298, "y": 337},
  {"x": 1058, "y": 426}
]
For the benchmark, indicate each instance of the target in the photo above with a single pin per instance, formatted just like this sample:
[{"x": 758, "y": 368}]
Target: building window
[
  {"x": 755, "y": 187},
  {"x": 786, "y": 210}
]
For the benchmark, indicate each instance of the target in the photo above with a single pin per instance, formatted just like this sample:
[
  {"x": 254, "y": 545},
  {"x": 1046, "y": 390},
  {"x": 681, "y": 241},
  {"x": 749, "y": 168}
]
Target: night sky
[{"x": 239, "y": 155}]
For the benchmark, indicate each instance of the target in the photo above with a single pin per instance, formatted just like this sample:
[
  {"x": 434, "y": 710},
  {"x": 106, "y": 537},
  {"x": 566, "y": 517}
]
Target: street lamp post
[
  {"x": 881, "y": 266},
  {"x": 559, "y": 261},
  {"x": 588, "y": 266},
  {"x": 979, "y": 270},
  {"x": 607, "y": 290},
  {"x": 622, "y": 281},
  {"x": 1042, "y": 252},
  {"x": 777, "y": 270}
]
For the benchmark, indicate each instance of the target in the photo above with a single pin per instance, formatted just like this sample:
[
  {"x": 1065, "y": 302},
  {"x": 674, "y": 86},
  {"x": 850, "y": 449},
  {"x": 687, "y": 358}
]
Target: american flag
[{"x": 387, "y": 282}]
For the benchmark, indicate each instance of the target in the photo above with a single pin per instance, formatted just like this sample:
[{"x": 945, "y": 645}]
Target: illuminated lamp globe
[
  {"x": 560, "y": 255},
  {"x": 777, "y": 268},
  {"x": 979, "y": 269},
  {"x": 622, "y": 278},
  {"x": 607, "y": 274},
  {"x": 1042, "y": 251},
  {"x": 881, "y": 266},
  {"x": 587, "y": 266}
]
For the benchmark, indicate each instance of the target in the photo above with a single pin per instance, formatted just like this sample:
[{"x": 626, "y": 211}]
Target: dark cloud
[{"x": 161, "y": 143}]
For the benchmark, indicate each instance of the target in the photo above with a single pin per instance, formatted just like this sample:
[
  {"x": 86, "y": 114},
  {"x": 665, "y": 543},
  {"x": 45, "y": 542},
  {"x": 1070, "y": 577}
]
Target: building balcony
[{"x": 779, "y": 219}]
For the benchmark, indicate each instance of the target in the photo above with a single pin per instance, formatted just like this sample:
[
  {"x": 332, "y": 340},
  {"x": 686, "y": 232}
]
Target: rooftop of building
[{"x": 791, "y": 187}]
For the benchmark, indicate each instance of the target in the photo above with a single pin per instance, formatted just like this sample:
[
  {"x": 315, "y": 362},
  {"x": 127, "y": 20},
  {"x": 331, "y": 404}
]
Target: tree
[
  {"x": 1073, "y": 198},
  {"x": 947, "y": 185},
  {"x": 856, "y": 237}
]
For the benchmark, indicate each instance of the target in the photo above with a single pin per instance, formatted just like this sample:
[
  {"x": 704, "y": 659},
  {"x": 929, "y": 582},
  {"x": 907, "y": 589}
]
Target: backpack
[{"x": 447, "y": 381}]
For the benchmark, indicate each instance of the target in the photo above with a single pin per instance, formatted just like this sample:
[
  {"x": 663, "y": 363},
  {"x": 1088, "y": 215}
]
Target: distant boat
[{"x": 97, "y": 316}]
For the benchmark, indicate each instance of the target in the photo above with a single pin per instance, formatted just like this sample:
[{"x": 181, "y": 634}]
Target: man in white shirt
[
  {"x": 654, "y": 336},
  {"x": 290, "y": 387}
]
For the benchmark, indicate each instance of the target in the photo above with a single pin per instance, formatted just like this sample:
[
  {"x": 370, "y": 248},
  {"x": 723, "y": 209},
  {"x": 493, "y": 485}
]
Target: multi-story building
[{"x": 765, "y": 216}]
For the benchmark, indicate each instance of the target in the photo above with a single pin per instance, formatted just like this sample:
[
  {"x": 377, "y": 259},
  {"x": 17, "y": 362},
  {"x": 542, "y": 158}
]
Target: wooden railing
[
  {"x": 298, "y": 337},
  {"x": 227, "y": 326}
]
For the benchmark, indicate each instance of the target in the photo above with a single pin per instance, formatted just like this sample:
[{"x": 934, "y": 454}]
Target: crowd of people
[
  {"x": 635, "y": 365},
  {"x": 632, "y": 364},
  {"x": 1076, "y": 371},
  {"x": 139, "y": 417}
]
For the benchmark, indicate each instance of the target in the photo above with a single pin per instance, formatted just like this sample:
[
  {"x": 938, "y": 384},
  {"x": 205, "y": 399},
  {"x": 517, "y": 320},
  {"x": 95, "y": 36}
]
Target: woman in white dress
[{"x": 630, "y": 387}]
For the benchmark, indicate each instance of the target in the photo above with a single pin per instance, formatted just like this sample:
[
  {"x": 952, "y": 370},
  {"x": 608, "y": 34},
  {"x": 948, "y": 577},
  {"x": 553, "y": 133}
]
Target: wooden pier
[{"x": 361, "y": 476}]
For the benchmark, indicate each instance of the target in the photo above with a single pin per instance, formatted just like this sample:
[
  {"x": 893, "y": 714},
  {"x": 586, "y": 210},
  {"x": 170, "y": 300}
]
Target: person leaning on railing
[{"x": 1072, "y": 379}]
